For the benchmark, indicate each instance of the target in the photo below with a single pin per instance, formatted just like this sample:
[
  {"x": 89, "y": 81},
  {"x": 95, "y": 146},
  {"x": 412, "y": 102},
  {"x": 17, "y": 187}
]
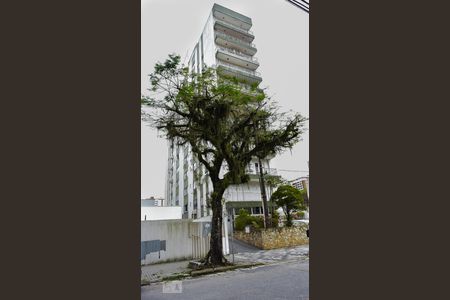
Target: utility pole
[{"x": 267, "y": 220}]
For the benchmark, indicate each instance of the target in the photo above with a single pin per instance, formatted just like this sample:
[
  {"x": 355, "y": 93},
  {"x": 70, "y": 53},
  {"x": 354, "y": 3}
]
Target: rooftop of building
[{"x": 231, "y": 13}]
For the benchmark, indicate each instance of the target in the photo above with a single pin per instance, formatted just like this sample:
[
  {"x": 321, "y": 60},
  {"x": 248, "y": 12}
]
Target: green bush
[
  {"x": 298, "y": 215},
  {"x": 244, "y": 218}
]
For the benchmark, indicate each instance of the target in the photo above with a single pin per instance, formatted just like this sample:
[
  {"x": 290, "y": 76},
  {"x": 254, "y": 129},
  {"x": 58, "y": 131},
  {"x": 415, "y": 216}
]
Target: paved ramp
[{"x": 237, "y": 246}]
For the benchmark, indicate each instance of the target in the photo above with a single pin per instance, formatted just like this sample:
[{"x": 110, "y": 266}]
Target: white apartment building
[
  {"x": 301, "y": 183},
  {"x": 226, "y": 43}
]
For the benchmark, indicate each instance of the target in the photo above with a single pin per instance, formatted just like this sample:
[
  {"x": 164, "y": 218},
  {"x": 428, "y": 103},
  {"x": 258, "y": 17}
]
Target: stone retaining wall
[{"x": 274, "y": 238}]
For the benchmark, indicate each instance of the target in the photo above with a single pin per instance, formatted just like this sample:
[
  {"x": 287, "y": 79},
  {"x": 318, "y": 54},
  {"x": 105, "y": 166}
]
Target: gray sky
[{"x": 282, "y": 39}]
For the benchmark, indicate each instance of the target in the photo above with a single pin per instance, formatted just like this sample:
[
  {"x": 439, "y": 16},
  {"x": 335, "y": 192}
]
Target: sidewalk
[{"x": 154, "y": 273}]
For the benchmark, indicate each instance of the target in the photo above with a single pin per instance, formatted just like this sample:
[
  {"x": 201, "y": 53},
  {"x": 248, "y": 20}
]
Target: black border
[
  {"x": 378, "y": 74},
  {"x": 71, "y": 150}
]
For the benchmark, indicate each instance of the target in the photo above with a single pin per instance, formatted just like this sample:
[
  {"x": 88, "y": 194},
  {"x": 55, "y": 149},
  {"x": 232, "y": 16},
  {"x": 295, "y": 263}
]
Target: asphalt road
[{"x": 281, "y": 281}]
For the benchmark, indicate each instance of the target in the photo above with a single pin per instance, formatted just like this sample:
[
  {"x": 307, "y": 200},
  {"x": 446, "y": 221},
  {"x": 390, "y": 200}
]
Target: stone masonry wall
[{"x": 274, "y": 238}]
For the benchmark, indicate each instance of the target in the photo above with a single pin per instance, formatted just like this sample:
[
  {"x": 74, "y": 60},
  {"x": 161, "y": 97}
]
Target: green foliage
[
  {"x": 219, "y": 118},
  {"x": 244, "y": 218},
  {"x": 298, "y": 215},
  {"x": 289, "y": 199},
  {"x": 274, "y": 180}
]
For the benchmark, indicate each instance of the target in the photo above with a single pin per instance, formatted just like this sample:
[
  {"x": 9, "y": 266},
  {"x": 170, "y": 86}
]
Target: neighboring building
[
  {"x": 298, "y": 183},
  {"x": 301, "y": 183},
  {"x": 226, "y": 43},
  {"x": 153, "y": 213},
  {"x": 152, "y": 201},
  {"x": 152, "y": 209}
]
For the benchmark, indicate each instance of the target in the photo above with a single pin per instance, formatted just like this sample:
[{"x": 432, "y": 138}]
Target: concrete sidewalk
[{"x": 154, "y": 273}]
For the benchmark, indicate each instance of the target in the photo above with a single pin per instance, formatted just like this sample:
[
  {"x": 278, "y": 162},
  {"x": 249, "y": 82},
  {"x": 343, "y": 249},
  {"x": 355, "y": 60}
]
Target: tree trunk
[{"x": 215, "y": 255}]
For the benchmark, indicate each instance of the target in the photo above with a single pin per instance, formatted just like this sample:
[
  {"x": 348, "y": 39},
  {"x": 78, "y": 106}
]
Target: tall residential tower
[{"x": 225, "y": 43}]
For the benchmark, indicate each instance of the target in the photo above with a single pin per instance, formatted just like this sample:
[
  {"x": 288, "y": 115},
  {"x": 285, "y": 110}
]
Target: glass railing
[
  {"x": 239, "y": 69},
  {"x": 234, "y": 40},
  {"x": 234, "y": 27},
  {"x": 238, "y": 54}
]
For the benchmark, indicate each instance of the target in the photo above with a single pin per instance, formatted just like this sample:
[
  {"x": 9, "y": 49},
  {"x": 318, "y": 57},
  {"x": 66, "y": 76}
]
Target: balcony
[
  {"x": 239, "y": 54},
  {"x": 228, "y": 28},
  {"x": 237, "y": 58},
  {"x": 230, "y": 41},
  {"x": 266, "y": 171},
  {"x": 240, "y": 73},
  {"x": 222, "y": 13}
]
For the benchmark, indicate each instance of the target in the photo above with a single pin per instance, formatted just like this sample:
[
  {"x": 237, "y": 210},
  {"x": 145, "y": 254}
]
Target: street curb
[
  {"x": 223, "y": 269},
  {"x": 144, "y": 282},
  {"x": 198, "y": 273}
]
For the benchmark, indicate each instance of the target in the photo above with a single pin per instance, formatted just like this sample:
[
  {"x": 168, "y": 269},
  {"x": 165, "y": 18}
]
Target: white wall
[
  {"x": 184, "y": 239},
  {"x": 160, "y": 213}
]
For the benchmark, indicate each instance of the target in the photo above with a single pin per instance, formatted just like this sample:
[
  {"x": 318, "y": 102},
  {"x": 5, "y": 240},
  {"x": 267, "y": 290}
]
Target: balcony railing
[
  {"x": 269, "y": 171},
  {"x": 239, "y": 54},
  {"x": 242, "y": 30},
  {"x": 234, "y": 40},
  {"x": 239, "y": 69}
]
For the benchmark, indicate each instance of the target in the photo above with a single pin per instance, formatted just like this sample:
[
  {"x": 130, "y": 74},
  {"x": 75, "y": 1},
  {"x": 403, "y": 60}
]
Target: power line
[{"x": 304, "y": 6}]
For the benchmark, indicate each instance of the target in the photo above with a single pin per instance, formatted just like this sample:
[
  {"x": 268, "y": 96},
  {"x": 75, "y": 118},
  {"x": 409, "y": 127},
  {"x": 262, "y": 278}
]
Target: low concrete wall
[
  {"x": 274, "y": 238},
  {"x": 171, "y": 240},
  {"x": 153, "y": 213}
]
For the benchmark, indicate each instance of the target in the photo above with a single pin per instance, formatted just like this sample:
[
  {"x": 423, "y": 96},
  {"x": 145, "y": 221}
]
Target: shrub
[{"x": 244, "y": 218}]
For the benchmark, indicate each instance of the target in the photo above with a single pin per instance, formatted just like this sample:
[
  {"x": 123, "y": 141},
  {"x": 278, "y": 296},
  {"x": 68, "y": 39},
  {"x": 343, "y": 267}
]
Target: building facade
[
  {"x": 226, "y": 43},
  {"x": 301, "y": 183},
  {"x": 152, "y": 201}
]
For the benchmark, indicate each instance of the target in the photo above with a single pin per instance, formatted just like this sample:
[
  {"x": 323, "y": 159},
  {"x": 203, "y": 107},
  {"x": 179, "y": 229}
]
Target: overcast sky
[{"x": 282, "y": 39}]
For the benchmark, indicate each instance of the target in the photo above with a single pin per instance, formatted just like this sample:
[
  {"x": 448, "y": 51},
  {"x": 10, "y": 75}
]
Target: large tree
[
  {"x": 226, "y": 124},
  {"x": 289, "y": 199}
]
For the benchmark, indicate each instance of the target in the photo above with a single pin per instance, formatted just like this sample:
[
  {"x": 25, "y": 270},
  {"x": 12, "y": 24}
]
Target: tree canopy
[
  {"x": 289, "y": 199},
  {"x": 226, "y": 123}
]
